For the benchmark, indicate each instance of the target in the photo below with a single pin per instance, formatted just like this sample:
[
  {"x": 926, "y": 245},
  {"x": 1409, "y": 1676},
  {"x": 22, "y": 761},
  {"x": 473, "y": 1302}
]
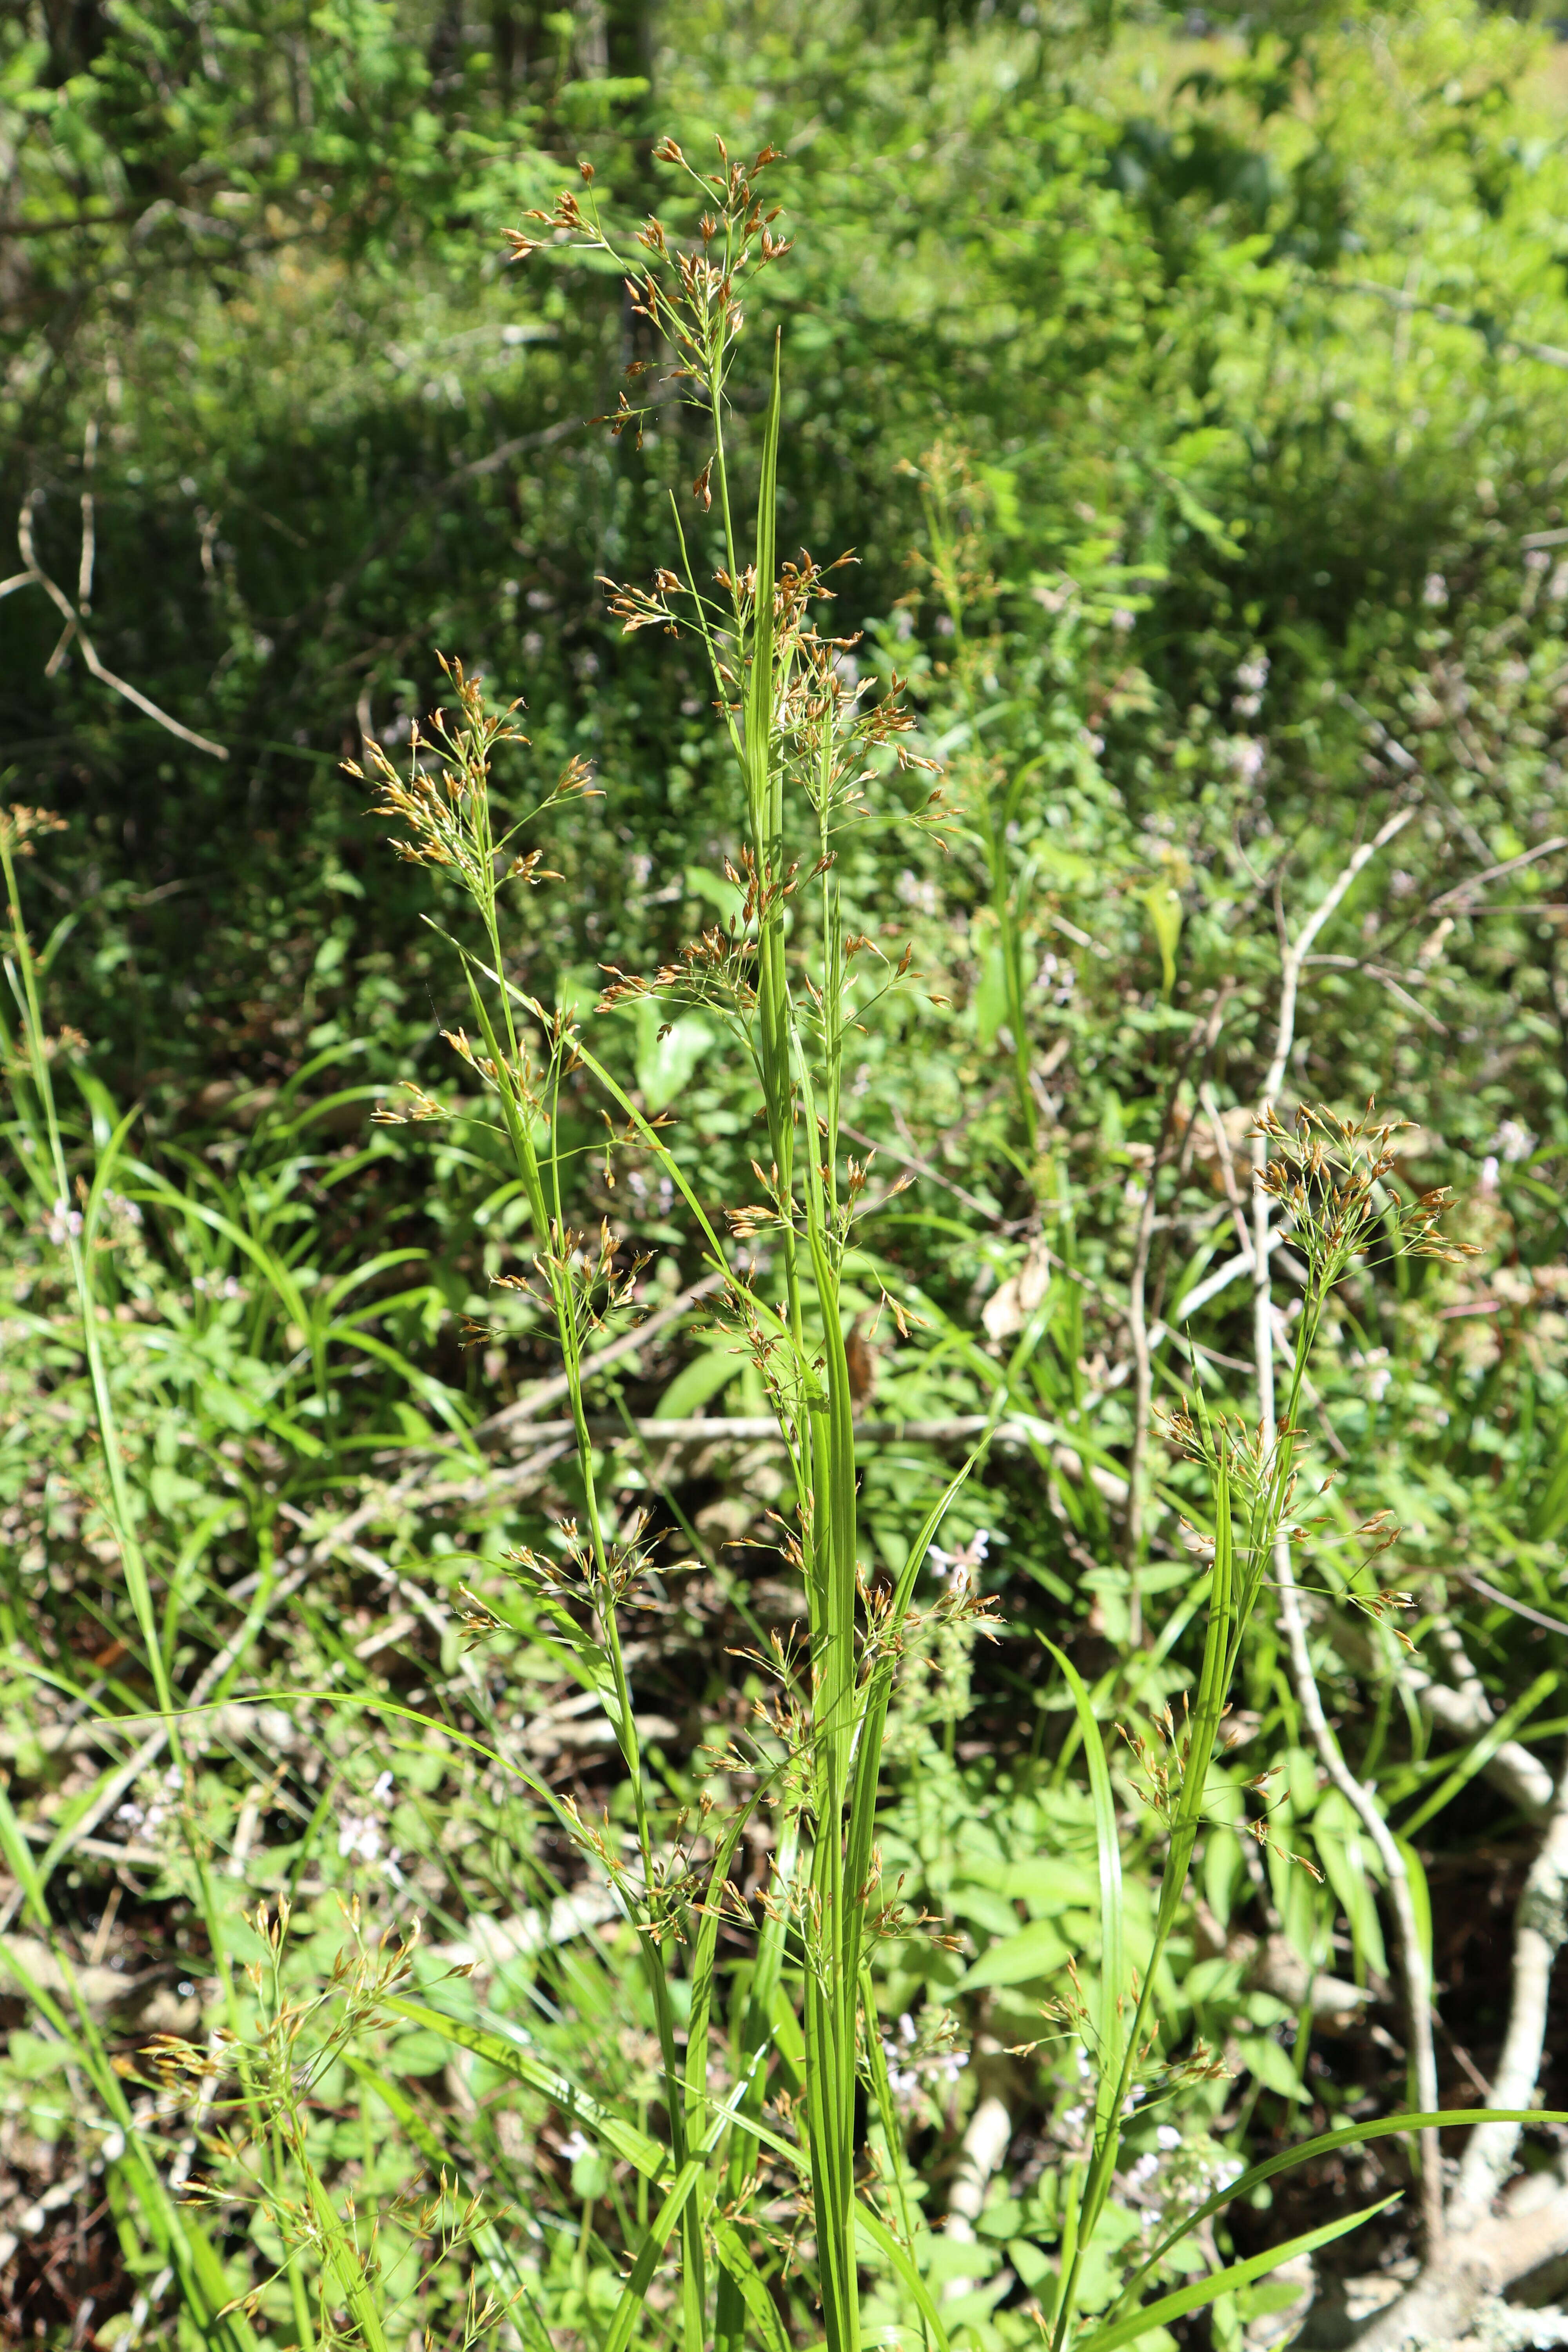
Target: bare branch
[
  {"x": 1445, "y": 313},
  {"x": 1461, "y": 890},
  {"x": 88, "y": 525},
  {"x": 1540, "y": 1930},
  {"x": 74, "y": 630},
  {"x": 1505, "y": 1600},
  {"x": 1412, "y": 1952}
]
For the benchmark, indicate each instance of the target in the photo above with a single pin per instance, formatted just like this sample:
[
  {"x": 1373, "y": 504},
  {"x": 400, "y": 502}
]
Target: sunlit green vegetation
[{"x": 406, "y": 1943}]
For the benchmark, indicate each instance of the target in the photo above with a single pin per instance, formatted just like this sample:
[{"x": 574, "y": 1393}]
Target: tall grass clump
[
  {"x": 811, "y": 760},
  {"x": 794, "y": 2092},
  {"x": 157, "y": 2233}
]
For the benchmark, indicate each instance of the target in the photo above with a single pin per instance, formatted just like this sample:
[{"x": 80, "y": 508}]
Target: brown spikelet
[{"x": 861, "y": 1358}]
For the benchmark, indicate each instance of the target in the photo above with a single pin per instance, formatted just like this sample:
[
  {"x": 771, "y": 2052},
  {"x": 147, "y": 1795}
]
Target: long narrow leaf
[
  {"x": 647, "y": 2156},
  {"x": 1108, "y": 1844},
  {"x": 1480, "y": 1752},
  {"x": 703, "y": 1962},
  {"x": 760, "y": 695},
  {"x": 634, "y": 2292},
  {"x": 752, "y": 2286},
  {"x": 510, "y": 2284},
  {"x": 868, "y": 1751},
  {"x": 1305, "y": 2151},
  {"x": 1204, "y": 2291},
  {"x": 883, "y": 2239}
]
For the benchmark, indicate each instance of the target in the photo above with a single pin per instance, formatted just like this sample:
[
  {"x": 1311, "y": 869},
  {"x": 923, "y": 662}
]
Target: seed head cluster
[{"x": 1335, "y": 1181}]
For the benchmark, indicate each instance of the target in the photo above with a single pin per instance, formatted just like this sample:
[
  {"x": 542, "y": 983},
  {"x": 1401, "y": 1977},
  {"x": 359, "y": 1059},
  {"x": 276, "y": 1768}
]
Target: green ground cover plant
[{"x": 681, "y": 1677}]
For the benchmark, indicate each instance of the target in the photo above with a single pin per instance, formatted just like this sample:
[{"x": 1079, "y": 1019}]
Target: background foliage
[{"x": 1198, "y": 557}]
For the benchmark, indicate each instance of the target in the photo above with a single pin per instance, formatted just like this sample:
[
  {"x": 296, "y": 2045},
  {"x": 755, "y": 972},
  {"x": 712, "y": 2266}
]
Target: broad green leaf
[
  {"x": 719, "y": 891},
  {"x": 1047, "y": 1885},
  {"x": 667, "y": 1052},
  {"x": 703, "y": 1378},
  {"x": 1034, "y": 1951},
  {"x": 1270, "y": 2062}
]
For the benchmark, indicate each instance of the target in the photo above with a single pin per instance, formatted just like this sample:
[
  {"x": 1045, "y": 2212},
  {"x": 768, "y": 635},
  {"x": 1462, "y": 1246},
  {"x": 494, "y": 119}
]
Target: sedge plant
[
  {"x": 787, "y": 981},
  {"x": 811, "y": 760},
  {"x": 1333, "y": 1180}
]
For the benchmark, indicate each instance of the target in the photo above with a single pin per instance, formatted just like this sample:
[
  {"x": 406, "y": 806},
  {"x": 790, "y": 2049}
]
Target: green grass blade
[
  {"x": 510, "y": 2282},
  {"x": 737, "y": 2265},
  {"x": 1113, "y": 1922},
  {"x": 1115, "y": 2052},
  {"x": 868, "y": 1751},
  {"x": 703, "y": 1962},
  {"x": 185, "y": 2245},
  {"x": 1481, "y": 1751},
  {"x": 634, "y": 2292},
  {"x": 646, "y": 2155},
  {"x": 756, "y": 2037},
  {"x": 1204, "y": 2291},
  {"x": 881, "y": 2087},
  {"x": 887, "y": 2243},
  {"x": 1307, "y": 2150},
  {"x": 760, "y": 687},
  {"x": 268, "y": 1263},
  {"x": 355, "y": 2282}
]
